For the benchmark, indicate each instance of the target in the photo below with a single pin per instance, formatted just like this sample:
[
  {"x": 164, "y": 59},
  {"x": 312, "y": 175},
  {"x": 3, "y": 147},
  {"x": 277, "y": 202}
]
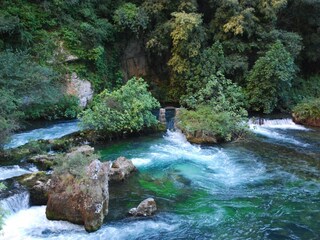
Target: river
[{"x": 265, "y": 187}]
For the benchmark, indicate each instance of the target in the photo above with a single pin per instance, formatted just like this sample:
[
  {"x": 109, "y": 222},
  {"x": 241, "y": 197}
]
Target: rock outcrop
[
  {"x": 80, "y": 88},
  {"x": 121, "y": 169},
  {"x": 37, "y": 185},
  {"x": 200, "y": 137},
  {"x": 84, "y": 149},
  {"x": 146, "y": 208},
  {"x": 82, "y": 200}
]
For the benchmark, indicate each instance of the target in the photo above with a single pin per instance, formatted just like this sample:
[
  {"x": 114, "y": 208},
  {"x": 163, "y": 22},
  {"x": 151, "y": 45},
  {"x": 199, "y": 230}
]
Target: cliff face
[
  {"x": 80, "y": 88},
  {"x": 134, "y": 60}
]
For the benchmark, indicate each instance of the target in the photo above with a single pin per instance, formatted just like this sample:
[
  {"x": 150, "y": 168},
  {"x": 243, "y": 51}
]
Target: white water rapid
[{"x": 271, "y": 128}]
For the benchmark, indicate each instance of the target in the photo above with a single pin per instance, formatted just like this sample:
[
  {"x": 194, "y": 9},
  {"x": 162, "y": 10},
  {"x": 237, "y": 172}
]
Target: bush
[
  {"x": 304, "y": 89},
  {"x": 308, "y": 110},
  {"x": 130, "y": 17},
  {"x": 23, "y": 83},
  {"x": 125, "y": 110},
  {"x": 223, "y": 125},
  {"x": 66, "y": 108},
  {"x": 74, "y": 164},
  {"x": 218, "y": 109}
]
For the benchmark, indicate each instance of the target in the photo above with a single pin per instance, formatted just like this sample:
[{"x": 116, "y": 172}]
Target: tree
[
  {"x": 23, "y": 83},
  {"x": 270, "y": 79},
  {"x": 187, "y": 36},
  {"x": 122, "y": 111}
]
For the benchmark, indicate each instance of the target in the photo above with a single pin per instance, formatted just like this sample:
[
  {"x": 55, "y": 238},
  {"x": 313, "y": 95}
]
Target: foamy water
[
  {"x": 15, "y": 171},
  {"x": 30, "y": 224}
]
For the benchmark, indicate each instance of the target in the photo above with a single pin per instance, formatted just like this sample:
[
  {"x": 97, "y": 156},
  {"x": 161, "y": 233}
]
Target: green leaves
[
  {"x": 129, "y": 16},
  {"x": 270, "y": 79},
  {"x": 125, "y": 110},
  {"x": 307, "y": 110}
]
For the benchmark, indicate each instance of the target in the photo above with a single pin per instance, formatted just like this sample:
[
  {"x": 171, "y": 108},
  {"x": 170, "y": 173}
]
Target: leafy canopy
[
  {"x": 270, "y": 79},
  {"x": 122, "y": 111}
]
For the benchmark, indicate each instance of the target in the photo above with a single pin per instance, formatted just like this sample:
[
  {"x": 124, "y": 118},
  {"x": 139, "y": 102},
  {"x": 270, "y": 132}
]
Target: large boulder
[
  {"x": 80, "y": 200},
  {"x": 37, "y": 185},
  {"x": 146, "y": 208},
  {"x": 121, "y": 169}
]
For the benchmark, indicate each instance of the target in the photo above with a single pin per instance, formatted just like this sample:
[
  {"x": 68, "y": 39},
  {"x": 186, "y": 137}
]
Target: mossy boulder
[
  {"x": 80, "y": 199},
  {"x": 38, "y": 186}
]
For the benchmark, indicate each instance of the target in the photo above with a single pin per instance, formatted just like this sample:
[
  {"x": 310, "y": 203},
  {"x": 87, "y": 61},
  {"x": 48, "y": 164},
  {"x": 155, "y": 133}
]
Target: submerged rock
[
  {"x": 146, "y": 208},
  {"x": 38, "y": 186},
  {"x": 82, "y": 200},
  {"x": 121, "y": 169}
]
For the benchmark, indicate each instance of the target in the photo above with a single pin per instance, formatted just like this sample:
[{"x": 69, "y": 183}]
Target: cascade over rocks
[
  {"x": 146, "y": 208},
  {"x": 121, "y": 169},
  {"x": 80, "y": 199}
]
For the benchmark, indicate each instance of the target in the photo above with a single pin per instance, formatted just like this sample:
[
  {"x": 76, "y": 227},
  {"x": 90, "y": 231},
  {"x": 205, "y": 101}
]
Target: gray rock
[
  {"x": 146, "y": 208},
  {"x": 84, "y": 149},
  {"x": 80, "y": 200},
  {"x": 79, "y": 87},
  {"x": 38, "y": 186},
  {"x": 121, "y": 169}
]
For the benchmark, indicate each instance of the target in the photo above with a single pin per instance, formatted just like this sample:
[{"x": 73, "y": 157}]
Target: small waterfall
[
  {"x": 285, "y": 123},
  {"x": 166, "y": 117},
  {"x": 275, "y": 129},
  {"x": 15, "y": 203}
]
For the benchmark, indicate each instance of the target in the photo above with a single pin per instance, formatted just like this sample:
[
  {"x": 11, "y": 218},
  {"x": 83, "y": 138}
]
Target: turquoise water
[{"x": 266, "y": 187}]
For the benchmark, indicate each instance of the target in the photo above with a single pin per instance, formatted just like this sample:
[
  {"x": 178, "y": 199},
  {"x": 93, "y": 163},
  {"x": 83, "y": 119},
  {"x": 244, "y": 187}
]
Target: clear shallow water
[
  {"x": 267, "y": 187},
  {"x": 52, "y": 132}
]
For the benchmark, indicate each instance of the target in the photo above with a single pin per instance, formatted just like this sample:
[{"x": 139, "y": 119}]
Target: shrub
[
  {"x": 74, "y": 164},
  {"x": 308, "y": 110},
  {"x": 223, "y": 124},
  {"x": 66, "y": 108},
  {"x": 125, "y": 110}
]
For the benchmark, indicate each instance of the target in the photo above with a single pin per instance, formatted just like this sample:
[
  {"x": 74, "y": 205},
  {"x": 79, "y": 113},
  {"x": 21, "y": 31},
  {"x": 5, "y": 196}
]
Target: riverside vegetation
[
  {"x": 212, "y": 57},
  {"x": 217, "y": 59}
]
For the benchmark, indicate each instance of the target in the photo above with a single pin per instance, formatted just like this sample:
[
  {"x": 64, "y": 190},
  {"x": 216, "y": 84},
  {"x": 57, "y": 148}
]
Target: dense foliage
[
  {"x": 268, "y": 48},
  {"x": 308, "y": 110},
  {"x": 74, "y": 163},
  {"x": 218, "y": 108},
  {"x": 272, "y": 74},
  {"x": 23, "y": 83},
  {"x": 122, "y": 111}
]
